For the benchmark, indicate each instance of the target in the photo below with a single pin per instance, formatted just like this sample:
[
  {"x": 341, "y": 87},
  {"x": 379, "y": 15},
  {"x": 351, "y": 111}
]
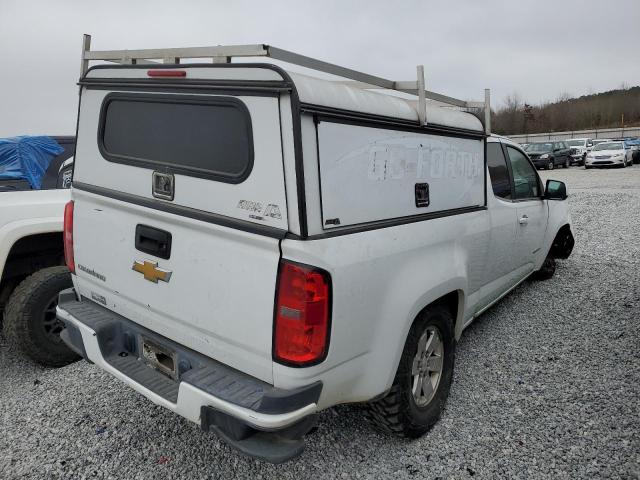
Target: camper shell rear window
[{"x": 206, "y": 137}]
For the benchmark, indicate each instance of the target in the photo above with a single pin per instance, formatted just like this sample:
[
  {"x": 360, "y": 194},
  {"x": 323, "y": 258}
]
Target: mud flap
[{"x": 271, "y": 446}]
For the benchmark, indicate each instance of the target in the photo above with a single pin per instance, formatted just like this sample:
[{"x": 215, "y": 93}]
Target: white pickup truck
[
  {"x": 32, "y": 270},
  {"x": 250, "y": 246}
]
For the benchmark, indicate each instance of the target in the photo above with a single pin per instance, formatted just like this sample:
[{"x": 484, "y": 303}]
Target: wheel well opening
[
  {"x": 563, "y": 243},
  {"x": 28, "y": 255},
  {"x": 451, "y": 301}
]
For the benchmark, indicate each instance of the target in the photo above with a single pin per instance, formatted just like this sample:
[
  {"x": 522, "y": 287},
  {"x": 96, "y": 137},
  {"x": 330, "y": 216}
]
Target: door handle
[
  {"x": 523, "y": 220},
  {"x": 153, "y": 240}
]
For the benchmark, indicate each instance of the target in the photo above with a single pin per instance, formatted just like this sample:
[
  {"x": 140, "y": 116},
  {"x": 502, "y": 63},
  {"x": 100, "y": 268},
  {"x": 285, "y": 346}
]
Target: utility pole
[{"x": 528, "y": 115}]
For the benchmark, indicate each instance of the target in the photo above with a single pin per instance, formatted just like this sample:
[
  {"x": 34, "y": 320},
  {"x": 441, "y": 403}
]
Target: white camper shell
[{"x": 251, "y": 245}]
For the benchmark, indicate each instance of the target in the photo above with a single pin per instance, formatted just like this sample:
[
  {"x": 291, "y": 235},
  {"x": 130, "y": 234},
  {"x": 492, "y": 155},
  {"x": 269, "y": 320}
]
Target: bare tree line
[{"x": 600, "y": 110}]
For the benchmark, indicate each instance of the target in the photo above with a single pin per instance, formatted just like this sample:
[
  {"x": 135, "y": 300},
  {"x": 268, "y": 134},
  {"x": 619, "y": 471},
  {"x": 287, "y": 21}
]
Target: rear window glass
[{"x": 202, "y": 137}]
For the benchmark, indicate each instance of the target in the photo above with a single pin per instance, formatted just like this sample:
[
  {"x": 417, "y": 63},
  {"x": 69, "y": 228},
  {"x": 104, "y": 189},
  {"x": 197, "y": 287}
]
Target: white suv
[
  {"x": 250, "y": 246},
  {"x": 580, "y": 146}
]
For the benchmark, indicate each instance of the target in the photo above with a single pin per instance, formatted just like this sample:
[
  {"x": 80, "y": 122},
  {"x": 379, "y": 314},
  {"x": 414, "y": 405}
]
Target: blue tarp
[{"x": 27, "y": 158}]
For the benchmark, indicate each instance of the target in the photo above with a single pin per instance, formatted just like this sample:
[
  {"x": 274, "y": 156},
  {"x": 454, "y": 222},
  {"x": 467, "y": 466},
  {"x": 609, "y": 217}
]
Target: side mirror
[{"x": 555, "y": 190}]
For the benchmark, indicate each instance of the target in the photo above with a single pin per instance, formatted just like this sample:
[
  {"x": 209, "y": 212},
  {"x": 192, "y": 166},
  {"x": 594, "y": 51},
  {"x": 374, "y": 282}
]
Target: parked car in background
[
  {"x": 609, "y": 154},
  {"x": 580, "y": 146},
  {"x": 35, "y": 177},
  {"x": 549, "y": 155},
  {"x": 634, "y": 144},
  {"x": 597, "y": 141},
  {"x": 524, "y": 146}
]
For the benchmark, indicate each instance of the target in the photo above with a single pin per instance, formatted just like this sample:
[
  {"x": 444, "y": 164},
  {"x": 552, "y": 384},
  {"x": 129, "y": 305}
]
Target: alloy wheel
[
  {"x": 426, "y": 370},
  {"x": 50, "y": 322}
]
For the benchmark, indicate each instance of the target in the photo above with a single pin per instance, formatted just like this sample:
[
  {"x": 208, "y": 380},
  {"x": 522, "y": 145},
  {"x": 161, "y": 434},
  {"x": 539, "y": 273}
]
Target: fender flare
[
  {"x": 457, "y": 283},
  {"x": 14, "y": 231}
]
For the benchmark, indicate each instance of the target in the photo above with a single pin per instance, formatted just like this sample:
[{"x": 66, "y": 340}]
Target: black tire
[
  {"x": 551, "y": 165},
  {"x": 567, "y": 163},
  {"x": 547, "y": 270},
  {"x": 397, "y": 412},
  {"x": 29, "y": 321}
]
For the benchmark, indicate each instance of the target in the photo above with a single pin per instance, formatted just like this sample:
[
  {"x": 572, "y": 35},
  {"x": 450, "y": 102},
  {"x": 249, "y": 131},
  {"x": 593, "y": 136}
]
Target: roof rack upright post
[
  {"x": 487, "y": 111},
  {"x": 422, "y": 99},
  {"x": 86, "y": 46}
]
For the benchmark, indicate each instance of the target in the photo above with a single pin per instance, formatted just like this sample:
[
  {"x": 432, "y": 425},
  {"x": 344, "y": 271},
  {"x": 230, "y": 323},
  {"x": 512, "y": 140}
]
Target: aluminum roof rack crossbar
[{"x": 225, "y": 53}]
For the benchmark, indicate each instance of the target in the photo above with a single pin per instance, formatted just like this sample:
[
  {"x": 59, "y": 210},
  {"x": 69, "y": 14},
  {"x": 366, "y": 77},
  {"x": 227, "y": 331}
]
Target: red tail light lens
[
  {"x": 303, "y": 313},
  {"x": 68, "y": 237}
]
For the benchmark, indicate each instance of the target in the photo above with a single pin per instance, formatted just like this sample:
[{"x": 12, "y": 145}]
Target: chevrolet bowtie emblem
[{"x": 151, "y": 271}]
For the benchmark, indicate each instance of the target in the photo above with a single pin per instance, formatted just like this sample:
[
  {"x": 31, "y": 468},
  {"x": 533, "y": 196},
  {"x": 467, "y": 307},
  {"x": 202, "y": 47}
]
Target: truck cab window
[
  {"x": 498, "y": 171},
  {"x": 525, "y": 178}
]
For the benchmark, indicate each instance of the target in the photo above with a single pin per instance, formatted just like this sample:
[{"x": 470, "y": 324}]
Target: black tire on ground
[
  {"x": 587, "y": 167},
  {"x": 567, "y": 163},
  {"x": 551, "y": 165},
  {"x": 397, "y": 412},
  {"x": 547, "y": 269},
  {"x": 29, "y": 318}
]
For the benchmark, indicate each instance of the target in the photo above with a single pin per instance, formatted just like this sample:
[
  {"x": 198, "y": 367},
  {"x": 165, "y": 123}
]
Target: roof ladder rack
[{"x": 224, "y": 54}]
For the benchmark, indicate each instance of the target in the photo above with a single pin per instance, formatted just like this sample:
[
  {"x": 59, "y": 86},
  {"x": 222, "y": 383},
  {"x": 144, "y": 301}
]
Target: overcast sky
[{"x": 538, "y": 48}]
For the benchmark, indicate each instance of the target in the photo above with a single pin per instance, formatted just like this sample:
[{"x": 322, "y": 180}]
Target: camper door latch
[{"x": 422, "y": 195}]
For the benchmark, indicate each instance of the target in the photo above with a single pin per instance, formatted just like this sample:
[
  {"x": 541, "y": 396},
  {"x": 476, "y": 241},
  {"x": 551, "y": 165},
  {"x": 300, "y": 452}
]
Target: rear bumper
[{"x": 255, "y": 417}]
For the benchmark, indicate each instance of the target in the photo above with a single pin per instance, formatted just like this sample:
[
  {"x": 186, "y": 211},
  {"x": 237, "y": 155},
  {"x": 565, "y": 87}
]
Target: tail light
[
  {"x": 166, "y": 73},
  {"x": 68, "y": 237},
  {"x": 302, "y": 315}
]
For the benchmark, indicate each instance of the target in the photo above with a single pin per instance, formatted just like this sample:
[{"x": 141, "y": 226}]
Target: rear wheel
[
  {"x": 421, "y": 385},
  {"x": 550, "y": 165},
  {"x": 567, "y": 163},
  {"x": 30, "y": 321}
]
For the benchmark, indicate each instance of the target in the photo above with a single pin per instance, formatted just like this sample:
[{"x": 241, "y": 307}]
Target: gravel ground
[{"x": 546, "y": 385}]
